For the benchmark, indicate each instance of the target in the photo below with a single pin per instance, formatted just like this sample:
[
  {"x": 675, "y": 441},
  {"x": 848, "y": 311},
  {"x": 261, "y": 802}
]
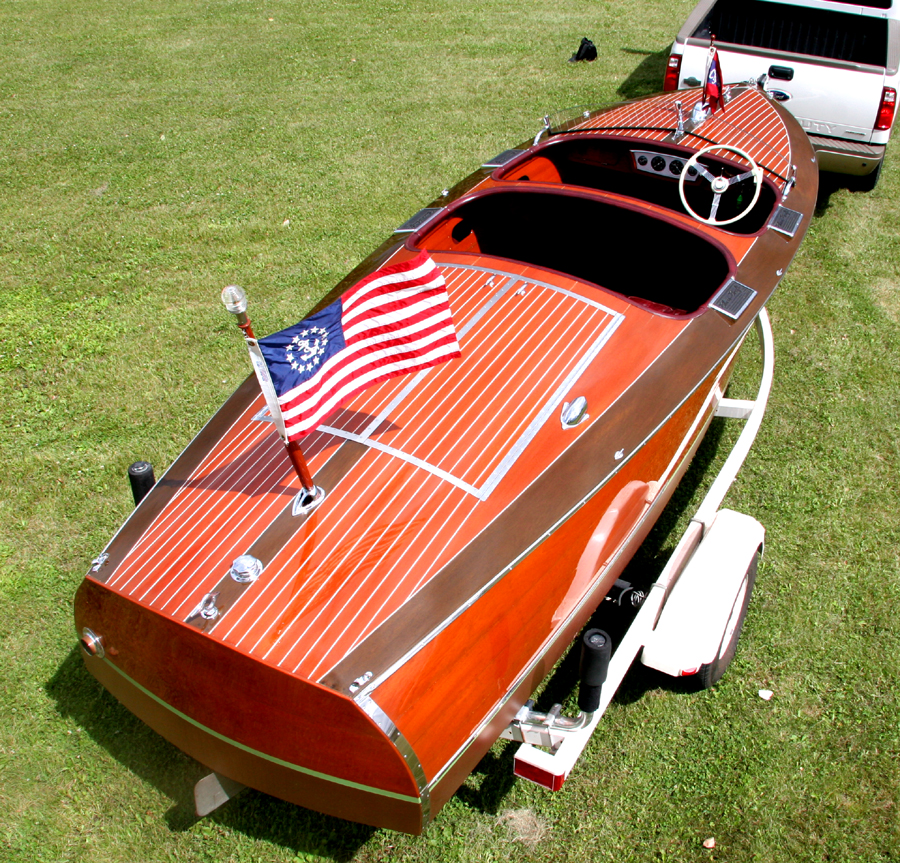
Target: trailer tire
[{"x": 711, "y": 672}]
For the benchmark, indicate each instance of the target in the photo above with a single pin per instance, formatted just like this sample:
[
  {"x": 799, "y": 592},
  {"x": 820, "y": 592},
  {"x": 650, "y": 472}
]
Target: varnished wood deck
[
  {"x": 440, "y": 445},
  {"x": 748, "y": 123}
]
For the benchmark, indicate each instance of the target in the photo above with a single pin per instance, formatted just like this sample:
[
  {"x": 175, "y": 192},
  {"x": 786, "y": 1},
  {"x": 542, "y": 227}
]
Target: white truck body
[{"x": 832, "y": 64}]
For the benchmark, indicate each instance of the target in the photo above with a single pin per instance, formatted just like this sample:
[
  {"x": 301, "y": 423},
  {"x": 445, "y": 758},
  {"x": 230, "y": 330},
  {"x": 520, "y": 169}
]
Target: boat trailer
[{"x": 689, "y": 620}]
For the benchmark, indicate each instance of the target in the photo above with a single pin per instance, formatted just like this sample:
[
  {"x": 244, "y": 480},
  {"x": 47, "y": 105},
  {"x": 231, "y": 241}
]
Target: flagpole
[
  {"x": 235, "y": 300},
  {"x": 298, "y": 460}
]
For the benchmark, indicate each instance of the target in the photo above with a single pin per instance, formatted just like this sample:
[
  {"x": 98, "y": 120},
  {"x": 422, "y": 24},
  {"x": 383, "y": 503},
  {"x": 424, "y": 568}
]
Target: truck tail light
[
  {"x": 673, "y": 71},
  {"x": 886, "y": 109}
]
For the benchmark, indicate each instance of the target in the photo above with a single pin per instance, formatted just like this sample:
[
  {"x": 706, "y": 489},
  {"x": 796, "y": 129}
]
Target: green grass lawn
[{"x": 153, "y": 152}]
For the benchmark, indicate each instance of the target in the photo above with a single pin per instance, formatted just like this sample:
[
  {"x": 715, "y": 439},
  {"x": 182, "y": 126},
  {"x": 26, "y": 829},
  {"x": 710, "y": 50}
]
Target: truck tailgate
[{"x": 835, "y": 100}]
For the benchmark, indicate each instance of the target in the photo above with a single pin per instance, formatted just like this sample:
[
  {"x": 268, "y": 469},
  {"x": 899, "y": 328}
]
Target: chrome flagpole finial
[{"x": 235, "y": 300}]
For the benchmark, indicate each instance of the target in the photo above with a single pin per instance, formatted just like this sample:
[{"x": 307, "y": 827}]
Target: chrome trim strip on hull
[{"x": 386, "y": 724}]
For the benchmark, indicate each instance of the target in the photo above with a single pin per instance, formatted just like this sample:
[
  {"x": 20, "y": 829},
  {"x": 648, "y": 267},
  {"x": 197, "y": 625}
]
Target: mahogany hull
[
  {"x": 467, "y": 534},
  {"x": 277, "y": 733}
]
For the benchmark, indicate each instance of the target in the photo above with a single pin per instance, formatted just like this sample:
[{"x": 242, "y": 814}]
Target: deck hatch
[
  {"x": 732, "y": 299},
  {"x": 786, "y": 221},
  {"x": 507, "y": 320}
]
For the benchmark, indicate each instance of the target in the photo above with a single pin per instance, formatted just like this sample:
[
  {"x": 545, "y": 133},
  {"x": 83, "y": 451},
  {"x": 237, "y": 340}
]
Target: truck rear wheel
[{"x": 868, "y": 182}]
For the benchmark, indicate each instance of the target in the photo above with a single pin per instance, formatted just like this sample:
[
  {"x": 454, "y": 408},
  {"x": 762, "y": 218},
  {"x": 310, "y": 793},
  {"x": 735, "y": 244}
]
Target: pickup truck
[{"x": 832, "y": 63}]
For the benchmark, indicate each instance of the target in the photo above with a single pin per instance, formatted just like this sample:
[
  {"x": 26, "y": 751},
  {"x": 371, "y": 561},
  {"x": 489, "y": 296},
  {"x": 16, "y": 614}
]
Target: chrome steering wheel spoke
[{"x": 720, "y": 184}]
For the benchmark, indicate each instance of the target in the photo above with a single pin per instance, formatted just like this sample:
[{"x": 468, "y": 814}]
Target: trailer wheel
[{"x": 711, "y": 672}]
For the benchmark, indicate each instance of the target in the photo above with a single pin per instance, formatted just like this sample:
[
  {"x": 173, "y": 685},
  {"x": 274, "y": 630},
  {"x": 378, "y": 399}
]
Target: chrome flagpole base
[{"x": 306, "y": 501}]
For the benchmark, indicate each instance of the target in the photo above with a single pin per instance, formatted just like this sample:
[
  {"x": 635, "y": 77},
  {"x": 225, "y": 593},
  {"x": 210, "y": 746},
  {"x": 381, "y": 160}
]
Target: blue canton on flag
[{"x": 294, "y": 355}]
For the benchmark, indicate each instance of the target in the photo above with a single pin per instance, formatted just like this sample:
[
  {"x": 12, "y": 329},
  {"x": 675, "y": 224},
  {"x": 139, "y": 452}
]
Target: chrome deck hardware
[
  {"x": 307, "y": 501},
  {"x": 207, "y": 608},
  {"x": 574, "y": 412},
  {"x": 246, "y": 569}
]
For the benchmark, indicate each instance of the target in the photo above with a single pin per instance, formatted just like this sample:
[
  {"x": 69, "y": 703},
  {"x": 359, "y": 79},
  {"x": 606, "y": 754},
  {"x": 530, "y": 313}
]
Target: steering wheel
[{"x": 720, "y": 184}]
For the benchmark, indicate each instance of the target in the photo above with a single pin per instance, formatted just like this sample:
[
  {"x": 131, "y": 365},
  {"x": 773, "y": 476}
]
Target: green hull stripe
[{"x": 338, "y": 781}]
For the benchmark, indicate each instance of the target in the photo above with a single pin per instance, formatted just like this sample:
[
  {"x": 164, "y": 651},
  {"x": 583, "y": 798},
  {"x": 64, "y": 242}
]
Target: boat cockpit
[
  {"x": 651, "y": 174},
  {"x": 543, "y": 210},
  {"x": 649, "y": 260}
]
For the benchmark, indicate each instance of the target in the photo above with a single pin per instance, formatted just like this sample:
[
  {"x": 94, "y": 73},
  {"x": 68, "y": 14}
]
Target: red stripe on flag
[{"x": 396, "y": 321}]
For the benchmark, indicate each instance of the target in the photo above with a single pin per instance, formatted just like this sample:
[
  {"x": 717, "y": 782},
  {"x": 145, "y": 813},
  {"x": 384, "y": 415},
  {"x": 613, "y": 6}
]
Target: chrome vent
[
  {"x": 732, "y": 299},
  {"x": 416, "y": 222},
  {"x": 786, "y": 221},
  {"x": 502, "y": 159}
]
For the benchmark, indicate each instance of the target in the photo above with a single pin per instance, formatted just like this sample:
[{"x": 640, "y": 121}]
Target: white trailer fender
[{"x": 694, "y": 617}]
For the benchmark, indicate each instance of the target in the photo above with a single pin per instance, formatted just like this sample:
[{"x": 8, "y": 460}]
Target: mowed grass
[{"x": 154, "y": 152}]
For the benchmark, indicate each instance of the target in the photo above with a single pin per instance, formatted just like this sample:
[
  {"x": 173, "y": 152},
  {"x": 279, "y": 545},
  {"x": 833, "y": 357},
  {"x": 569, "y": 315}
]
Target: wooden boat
[{"x": 602, "y": 278}]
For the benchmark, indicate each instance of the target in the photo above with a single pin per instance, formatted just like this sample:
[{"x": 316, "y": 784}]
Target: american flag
[
  {"x": 712, "y": 87},
  {"x": 394, "y": 321}
]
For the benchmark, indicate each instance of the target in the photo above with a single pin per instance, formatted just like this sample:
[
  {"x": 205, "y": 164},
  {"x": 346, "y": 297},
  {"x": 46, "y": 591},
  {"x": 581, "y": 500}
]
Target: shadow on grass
[
  {"x": 143, "y": 752},
  {"x": 830, "y": 183},
  {"x": 647, "y": 78},
  {"x": 494, "y": 778}
]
